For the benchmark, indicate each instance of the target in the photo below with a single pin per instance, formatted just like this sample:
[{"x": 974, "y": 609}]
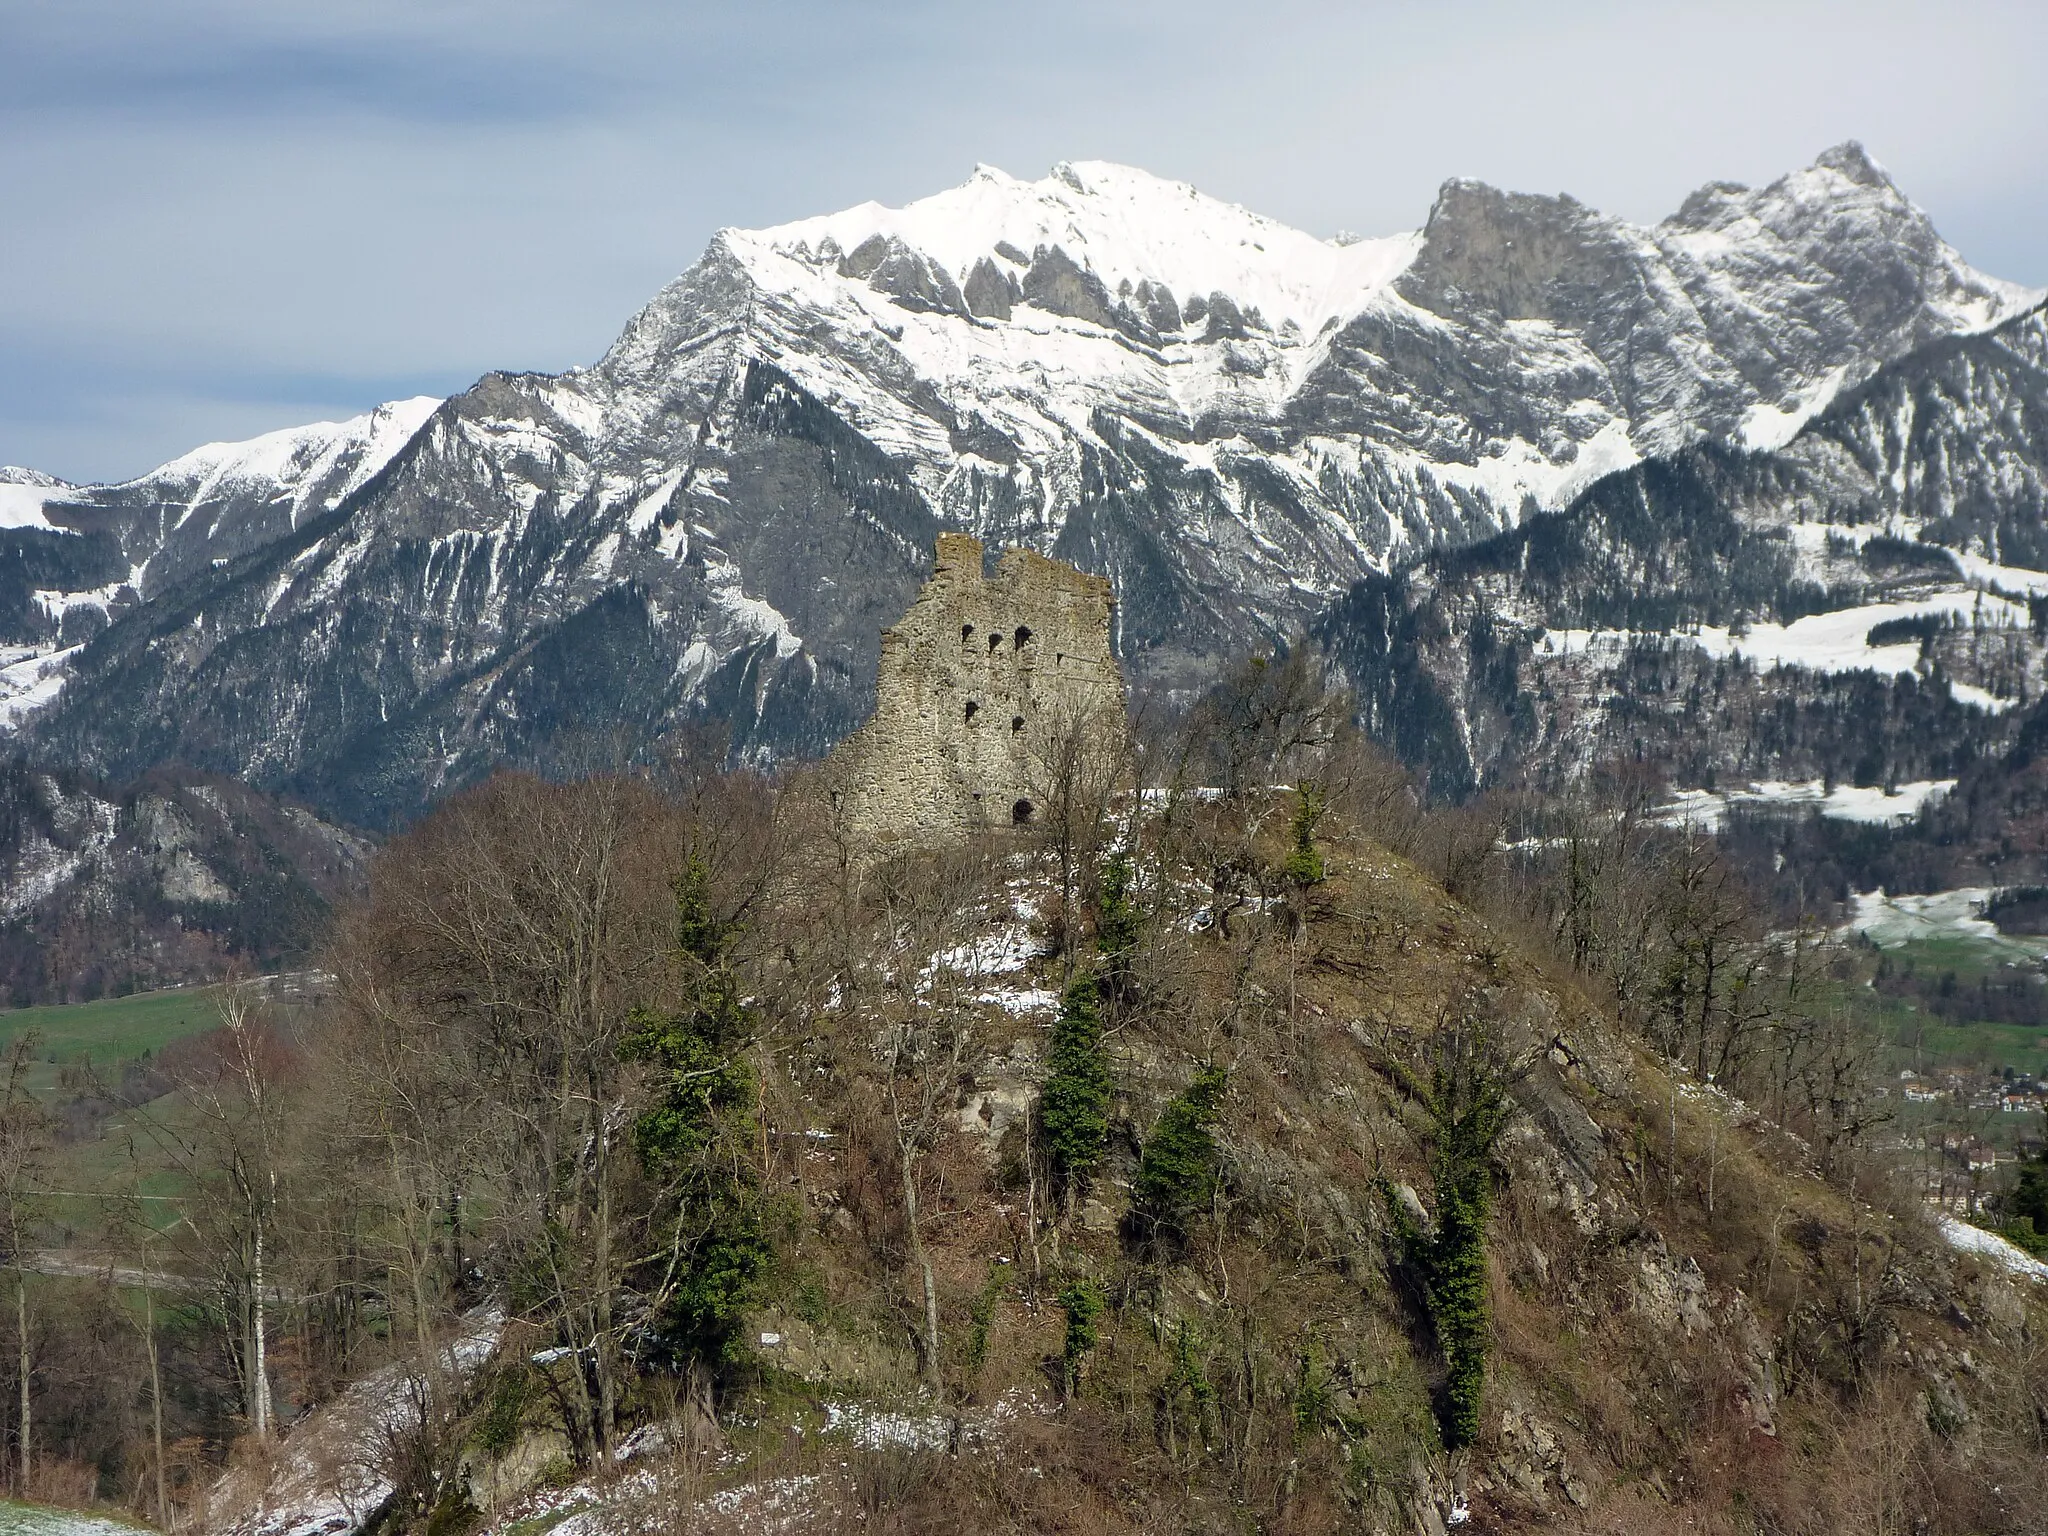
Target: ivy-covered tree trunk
[
  {"x": 695, "y": 1138},
  {"x": 1073, "y": 1106},
  {"x": 1467, "y": 1103}
]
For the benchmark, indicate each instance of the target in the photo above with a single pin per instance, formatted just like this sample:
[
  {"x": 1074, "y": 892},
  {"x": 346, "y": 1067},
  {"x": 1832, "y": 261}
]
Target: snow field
[
  {"x": 1833, "y": 642},
  {"x": 1707, "y": 809},
  {"x": 1958, "y": 914},
  {"x": 1126, "y": 226},
  {"x": 295, "y": 453},
  {"x": 30, "y": 683}
]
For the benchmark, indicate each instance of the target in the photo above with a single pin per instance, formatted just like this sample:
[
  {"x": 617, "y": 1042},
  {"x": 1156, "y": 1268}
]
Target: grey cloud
[{"x": 224, "y": 207}]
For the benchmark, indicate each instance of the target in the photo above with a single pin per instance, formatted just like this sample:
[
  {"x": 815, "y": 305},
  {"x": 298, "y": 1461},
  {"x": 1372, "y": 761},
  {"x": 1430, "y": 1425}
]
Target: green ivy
[
  {"x": 1084, "y": 1304},
  {"x": 981, "y": 1320},
  {"x": 498, "y": 1426},
  {"x": 1468, "y": 1105},
  {"x": 1177, "y": 1169},
  {"x": 2026, "y": 1204},
  {"x": 1187, "y": 1398},
  {"x": 1073, "y": 1106},
  {"x": 1118, "y": 922},
  {"x": 1304, "y": 863},
  {"x": 701, "y": 1109},
  {"x": 724, "y": 1274},
  {"x": 1312, "y": 1396}
]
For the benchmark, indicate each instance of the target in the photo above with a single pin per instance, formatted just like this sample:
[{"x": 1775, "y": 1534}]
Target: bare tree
[
  {"x": 497, "y": 963},
  {"x": 240, "y": 1090},
  {"x": 25, "y": 1137},
  {"x": 927, "y": 1032},
  {"x": 1080, "y": 766},
  {"x": 514, "y": 947},
  {"x": 1271, "y": 720}
]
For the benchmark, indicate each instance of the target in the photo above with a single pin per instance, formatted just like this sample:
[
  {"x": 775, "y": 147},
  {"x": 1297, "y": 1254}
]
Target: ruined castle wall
[{"x": 976, "y": 681}]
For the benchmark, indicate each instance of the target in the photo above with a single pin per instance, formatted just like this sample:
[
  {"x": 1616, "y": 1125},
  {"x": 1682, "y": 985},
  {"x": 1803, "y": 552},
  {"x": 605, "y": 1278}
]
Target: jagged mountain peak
[
  {"x": 1519, "y": 254},
  {"x": 1851, "y": 160},
  {"x": 1844, "y": 206},
  {"x": 1233, "y": 419},
  {"x": 1124, "y": 227}
]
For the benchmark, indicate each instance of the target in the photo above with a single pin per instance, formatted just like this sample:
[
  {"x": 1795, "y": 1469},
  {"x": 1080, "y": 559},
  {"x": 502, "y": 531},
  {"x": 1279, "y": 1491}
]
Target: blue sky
[{"x": 222, "y": 216}]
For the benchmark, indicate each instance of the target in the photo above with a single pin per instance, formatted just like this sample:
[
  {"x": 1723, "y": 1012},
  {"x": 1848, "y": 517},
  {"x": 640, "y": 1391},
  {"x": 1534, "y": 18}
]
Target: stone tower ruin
[{"x": 981, "y": 683}]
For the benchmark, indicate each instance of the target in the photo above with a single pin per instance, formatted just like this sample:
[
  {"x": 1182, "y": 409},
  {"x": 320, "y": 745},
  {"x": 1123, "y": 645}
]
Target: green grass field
[
  {"x": 1962, "y": 1041},
  {"x": 114, "y": 1029},
  {"x": 108, "y": 1033}
]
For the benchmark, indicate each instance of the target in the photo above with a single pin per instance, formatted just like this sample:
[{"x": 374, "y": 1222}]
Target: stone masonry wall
[{"x": 976, "y": 680}]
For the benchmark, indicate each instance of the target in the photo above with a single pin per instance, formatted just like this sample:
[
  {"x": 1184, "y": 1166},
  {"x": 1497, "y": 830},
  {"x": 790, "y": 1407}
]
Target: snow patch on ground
[
  {"x": 1979, "y": 698},
  {"x": 1821, "y": 642},
  {"x": 26, "y": 685},
  {"x": 774, "y": 1504},
  {"x": 1707, "y": 809},
  {"x": 1021, "y": 1000},
  {"x": 21, "y": 506},
  {"x": 996, "y": 954},
  {"x": 1888, "y": 921},
  {"x": 1522, "y": 470},
  {"x": 880, "y": 1429},
  {"x": 1993, "y": 577},
  {"x": 753, "y": 614},
  {"x": 650, "y": 506},
  {"x": 2007, "y": 1255},
  {"x": 330, "y": 1476},
  {"x": 1766, "y": 428}
]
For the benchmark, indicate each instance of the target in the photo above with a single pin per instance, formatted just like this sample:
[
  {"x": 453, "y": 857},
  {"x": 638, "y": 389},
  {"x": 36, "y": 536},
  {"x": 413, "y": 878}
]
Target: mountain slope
[
  {"x": 1884, "y": 564},
  {"x": 106, "y": 890},
  {"x": 1231, "y": 419},
  {"x": 86, "y": 553}
]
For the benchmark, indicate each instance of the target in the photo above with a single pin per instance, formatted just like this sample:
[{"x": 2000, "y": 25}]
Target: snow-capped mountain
[
  {"x": 222, "y": 498},
  {"x": 1234, "y": 420},
  {"x": 1868, "y": 601}
]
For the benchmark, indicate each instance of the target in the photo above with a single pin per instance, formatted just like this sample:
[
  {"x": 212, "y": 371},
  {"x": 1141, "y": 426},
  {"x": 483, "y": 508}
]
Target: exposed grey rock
[
  {"x": 717, "y": 519},
  {"x": 991, "y": 293}
]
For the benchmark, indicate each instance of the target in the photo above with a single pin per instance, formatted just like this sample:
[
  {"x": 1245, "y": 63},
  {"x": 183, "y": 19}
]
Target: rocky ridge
[{"x": 1233, "y": 421}]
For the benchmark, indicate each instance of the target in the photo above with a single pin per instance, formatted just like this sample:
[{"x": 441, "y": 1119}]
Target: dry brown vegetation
[{"x": 1705, "y": 1312}]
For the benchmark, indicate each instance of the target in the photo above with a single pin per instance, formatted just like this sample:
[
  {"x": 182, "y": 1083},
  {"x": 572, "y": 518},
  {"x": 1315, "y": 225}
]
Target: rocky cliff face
[
  {"x": 110, "y": 889},
  {"x": 1232, "y": 420}
]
